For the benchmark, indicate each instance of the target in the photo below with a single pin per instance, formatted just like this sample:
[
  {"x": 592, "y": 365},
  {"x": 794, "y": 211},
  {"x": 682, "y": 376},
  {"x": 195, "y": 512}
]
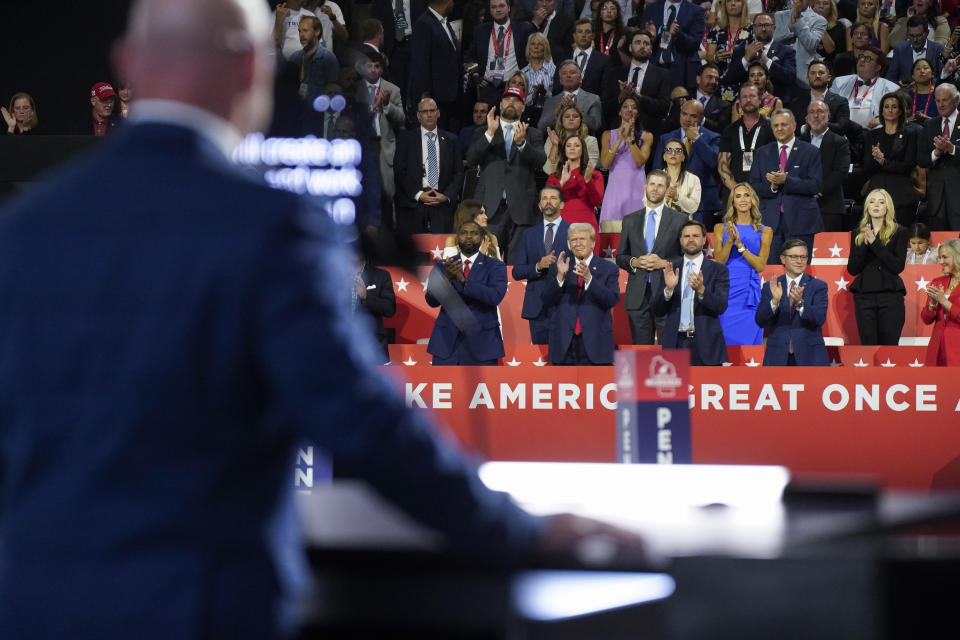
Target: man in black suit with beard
[
  {"x": 643, "y": 79},
  {"x": 819, "y": 78},
  {"x": 716, "y": 110},
  {"x": 428, "y": 172}
]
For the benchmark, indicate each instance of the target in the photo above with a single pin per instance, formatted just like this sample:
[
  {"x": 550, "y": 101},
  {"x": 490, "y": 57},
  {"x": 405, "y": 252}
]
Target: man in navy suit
[
  {"x": 539, "y": 249},
  {"x": 467, "y": 287},
  {"x": 163, "y": 359},
  {"x": 794, "y": 307},
  {"x": 428, "y": 170},
  {"x": 703, "y": 150},
  {"x": 437, "y": 54},
  {"x": 583, "y": 294},
  {"x": 499, "y": 50},
  {"x": 917, "y": 44},
  {"x": 779, "y": 59},
  {"x": 641, "y": 79},
  {"x": 678, "y": 29},
  {"x": 786, "y": 174},
  {"x": 693, "y": 316},
  {"x": 397, "y": 34},
  {"x": 592, "y": 62}
]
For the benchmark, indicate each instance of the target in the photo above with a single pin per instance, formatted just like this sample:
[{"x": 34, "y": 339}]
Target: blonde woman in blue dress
[{"x": 742, "y": 243}]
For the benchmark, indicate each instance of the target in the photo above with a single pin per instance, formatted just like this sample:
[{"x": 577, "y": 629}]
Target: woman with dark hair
[
  {"x": 474, "y": 211},
  {"x": 938, "y": 27},
  {"x": 878, "y": 253},
  {"x": 742, "y": 243},
  {"x": 759, "y": 76},
  {"x": 861, "y": 34},
  {"x": 21, "y": 119},
  {"x": 608, "y": 29},
  {"x": 890, "y": 155},
  {"x": 943, "y": 308},
  {"x": 124, "y": 98},
  {"x": 624, "y": 152},
  {"x": 923, "y": 105},
  {"x": 868, "y": 11},
  {"x": 683, "y": 192},
  {"x": 582, "y": 187},
  {"x": 571, "y": 123}
]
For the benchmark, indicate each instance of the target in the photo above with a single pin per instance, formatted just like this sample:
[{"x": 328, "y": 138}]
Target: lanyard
[
  {"x": 753, "y": 143},
  {"x": 736, "y": 38},
  {"x": 926, "y": 107},
  {"x": 854, "y": 94},
  {"x": 507, "y": 38},
  {"x": 605, "y": 45}
]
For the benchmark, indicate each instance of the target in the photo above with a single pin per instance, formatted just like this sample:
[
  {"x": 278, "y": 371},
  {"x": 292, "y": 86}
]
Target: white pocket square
[{"x": 371, "y": 286}]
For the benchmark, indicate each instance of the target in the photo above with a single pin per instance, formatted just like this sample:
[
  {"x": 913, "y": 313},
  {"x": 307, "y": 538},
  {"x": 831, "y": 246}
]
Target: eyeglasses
[
  {"x": 764, "y": 25},
  {"x": 917, "y": 36},
  {"x": 866, "y": 57},
  {"x": 792, "y": 256},
  {"x": 673, "y": 150}
]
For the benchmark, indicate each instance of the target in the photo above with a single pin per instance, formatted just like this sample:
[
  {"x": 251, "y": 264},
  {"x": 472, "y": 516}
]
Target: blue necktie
[
  {"x": 686, "y": 302},
  {"x": 651, "y": 234},
  {"x": 433, "y": 169},
  {"x": 508, "y": 137}
]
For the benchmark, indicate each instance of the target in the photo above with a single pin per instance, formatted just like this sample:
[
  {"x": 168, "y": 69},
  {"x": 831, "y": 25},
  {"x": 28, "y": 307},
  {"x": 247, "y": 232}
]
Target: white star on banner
[
  {"x": 436, "y": 253},
  {"x": 921, "y": 283},
  {"x": 709, "y": 252},
  {"x": 540, "y": 362},
  {"x": 834, "y": 363},
  {"x": 841, "y": 284},
  {"x": 887, "y": 363},
  {"x": 727, "y": 364},
  {"x": 835, "y": 250},
  {"x": 752, "y": 363},
  {"x": 608, "y": 252},
  {"x": 860, "y": 363},
  {"x": 423, "y": 283},
  {"x": 410, "y": 361},
  {"x": 402, "y": 284},
  {"x": 514, "y": 362},
  {"x": 916, "y": 363},
  {"x": 814, "y": 252}
]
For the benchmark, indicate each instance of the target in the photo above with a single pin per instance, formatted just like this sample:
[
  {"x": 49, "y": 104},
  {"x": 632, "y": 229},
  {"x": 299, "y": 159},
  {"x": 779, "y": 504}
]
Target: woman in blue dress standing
[{"x": 742, "y": 243}]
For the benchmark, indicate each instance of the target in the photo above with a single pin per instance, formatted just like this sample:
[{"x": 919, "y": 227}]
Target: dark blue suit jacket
[
  {"x": 786, "y": 324},
  {"x": 801, "y": 213},
  {"x": 706, "y": 313},
  {"x": 593, "y": 308},
  {"x": 684, "y": 45},
  {"x": 783, "y": 70},
  {"x": 438, "y": 68},
  {"x": 901, "y": 66},
  {"x": 525, "y": 265},
  {"x": 477, "y": 52},
  {"x": 162, "y": 358},
  {"x": 702, "y": 162},
  {"x": 481, "y": 293}
]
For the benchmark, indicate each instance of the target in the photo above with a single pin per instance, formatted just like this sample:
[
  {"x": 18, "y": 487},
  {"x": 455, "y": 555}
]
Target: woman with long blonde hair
[
  {"x": 742, "y": 243},
  {"x": 878, "y": 250}
]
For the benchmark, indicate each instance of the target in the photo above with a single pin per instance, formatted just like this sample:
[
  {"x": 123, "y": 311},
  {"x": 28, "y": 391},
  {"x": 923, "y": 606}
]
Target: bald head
[{"x": 211, "y": 54}]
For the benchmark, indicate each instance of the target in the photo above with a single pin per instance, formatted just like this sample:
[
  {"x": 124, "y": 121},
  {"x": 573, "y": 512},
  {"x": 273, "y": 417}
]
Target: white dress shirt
[
  {"x": 510, "y": 59},
  {"x": 684, "y": 275}
]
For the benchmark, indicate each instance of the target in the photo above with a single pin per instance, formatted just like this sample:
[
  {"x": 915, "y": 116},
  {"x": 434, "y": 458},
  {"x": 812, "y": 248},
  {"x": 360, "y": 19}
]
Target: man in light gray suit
[
  {"x": 508, "y": 153},
  {"x": 386, "y": 105},
  {"x": 572, "y": 93},
  {"x": 803, "y": 28},
  {"x": 649, "y": 240}
]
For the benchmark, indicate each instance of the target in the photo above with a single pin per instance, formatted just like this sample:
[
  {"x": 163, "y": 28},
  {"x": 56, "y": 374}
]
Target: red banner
[{"x": 897, "y": 424}]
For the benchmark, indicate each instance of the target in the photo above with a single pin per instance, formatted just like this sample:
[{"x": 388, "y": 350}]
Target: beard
[
  {"x": 549, "y": 212},
  {"x": 510, "y": 113}
]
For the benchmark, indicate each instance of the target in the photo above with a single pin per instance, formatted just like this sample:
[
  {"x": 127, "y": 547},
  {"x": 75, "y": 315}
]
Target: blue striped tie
[{"x": 433, "y": 168}]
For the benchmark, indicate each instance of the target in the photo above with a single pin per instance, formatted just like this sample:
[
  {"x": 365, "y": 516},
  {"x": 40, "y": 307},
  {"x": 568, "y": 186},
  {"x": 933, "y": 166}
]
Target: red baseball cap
[
  {"x": 102, "y": 90},
  {"x": 516, "y": 92}
]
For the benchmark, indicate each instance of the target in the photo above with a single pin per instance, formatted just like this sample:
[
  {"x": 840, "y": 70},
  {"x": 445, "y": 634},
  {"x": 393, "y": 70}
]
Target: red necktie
[
  {"x": 466, "y": 268},
  {"x": 946, "y": 128},
  {"x": 577, "y": 330}
]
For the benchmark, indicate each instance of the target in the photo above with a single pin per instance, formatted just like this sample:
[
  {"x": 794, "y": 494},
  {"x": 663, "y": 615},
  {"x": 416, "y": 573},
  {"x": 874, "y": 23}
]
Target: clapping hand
[
  {"x": 9, "y": 119},
  {"x": 937, "y": 294},
  {"x": 452, "y": 269},
  {"x": 553, "y": 137},
  {"x": 582, "y": 270},
  {"x": 493, "y": 122},
  {"x": 361, "y": 287},
  {"x": 733, "y": 233},
  {"x": 796, "y": 296},
  {"x": 695, "y": 279},
  {"x": 563, "y": 265},
  {"x": 751, "y": 49},
  {"x": 869, "y": 234},
  {"x": 627, "y": 90},
  {"x": 877, "y": 154},
  {"x": 565, "y": 174},
  {"x": 776, "y": 291},
  {"x": 546, "y": 261},
  {"x": 671, "y": 277},
  {"x": 588, "y": 171},
  {"x": 519, "y": 133}
]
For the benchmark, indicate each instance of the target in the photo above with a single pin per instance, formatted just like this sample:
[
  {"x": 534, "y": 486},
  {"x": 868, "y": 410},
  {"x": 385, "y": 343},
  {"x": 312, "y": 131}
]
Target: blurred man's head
[{"x": 216, "y": 55}]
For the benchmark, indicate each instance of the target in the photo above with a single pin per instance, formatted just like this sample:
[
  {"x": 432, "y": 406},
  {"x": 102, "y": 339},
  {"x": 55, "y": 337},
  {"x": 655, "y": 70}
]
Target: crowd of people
[{"x": 767, "y": 122}]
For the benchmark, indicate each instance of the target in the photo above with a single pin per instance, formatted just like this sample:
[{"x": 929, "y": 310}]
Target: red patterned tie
[
  {"x": 577, "y": 330},
  {"x": 946, "y": 128},
  {"x": 466, "y": 268}
]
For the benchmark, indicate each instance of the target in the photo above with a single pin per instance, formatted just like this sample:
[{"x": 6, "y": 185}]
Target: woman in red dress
[
  {"x": 582, "y": 187},
  {"x": 943, "y": 308}
]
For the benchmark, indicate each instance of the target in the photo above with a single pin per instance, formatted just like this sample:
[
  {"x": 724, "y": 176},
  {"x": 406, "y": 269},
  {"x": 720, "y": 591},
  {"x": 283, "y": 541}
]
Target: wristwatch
[{"x": 742, "y": 249}]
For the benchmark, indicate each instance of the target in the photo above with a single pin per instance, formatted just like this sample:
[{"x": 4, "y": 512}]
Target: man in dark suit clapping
[
  {"x": 508, "y": 153},
  {"x": 428, "y": 173}
]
